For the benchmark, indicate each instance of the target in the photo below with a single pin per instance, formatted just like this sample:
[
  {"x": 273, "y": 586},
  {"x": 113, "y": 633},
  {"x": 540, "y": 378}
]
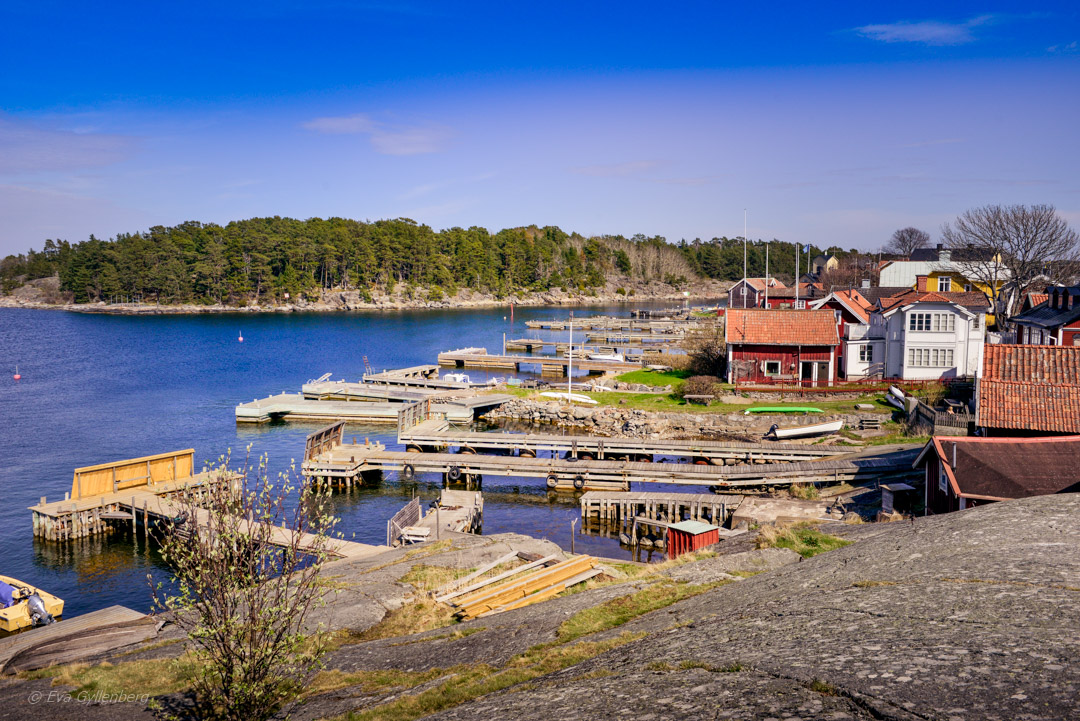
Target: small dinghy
[
  {"x": 457, "y": 378},
  {"x": 895, "y": 397},
  {"x": 24, "y": 606},
  {"x": 616, "y": 357},
  {"x": 802, "y": 431},
  {"x": 571, "y": 397}
]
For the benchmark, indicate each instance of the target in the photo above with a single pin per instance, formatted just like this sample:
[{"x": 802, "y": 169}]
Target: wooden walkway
[
  {"x": 570, "y": 474},
  {"x": 437, "y": 434},
  {"x": 533, "y": 345},
  {"x": 480, "y": 358},
  {"x": 608, "y": 323},
  {"x": 345, "y": 391},
  {"x": 425, "y": 376}
]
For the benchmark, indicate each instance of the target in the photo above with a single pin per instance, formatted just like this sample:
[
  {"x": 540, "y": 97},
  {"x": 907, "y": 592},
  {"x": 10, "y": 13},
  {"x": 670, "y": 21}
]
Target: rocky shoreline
[
  {"x": 41, "y": 295},
  {"x": 609, "y": 421}
]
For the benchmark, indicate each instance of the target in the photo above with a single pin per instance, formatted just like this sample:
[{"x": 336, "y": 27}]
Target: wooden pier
[
  {"x": 609, "y": 323},
  {"x": 346, "y": 391},
  {"x": 425, "y": 376},
  {"x": 435, "y": 434},
  {"x": 294, "y": 406},
  {"x": 619, "y": 510},
  {"x": 534, "y": 345},
  {"x": 106, "y": 495},
  {"x": 549, "y": 365},
  {"x": 351, "y": 461}
]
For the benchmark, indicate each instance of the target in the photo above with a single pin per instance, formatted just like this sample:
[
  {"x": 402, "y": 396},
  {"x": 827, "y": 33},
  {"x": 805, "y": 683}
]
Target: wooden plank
[
  {"x": 79, "y": 645},
  {"x": 441, "y": 594},
  {"x": 504, "y": 575},
  {"x": 504, "y": 593},
  {"x": 542, "y": 595}
]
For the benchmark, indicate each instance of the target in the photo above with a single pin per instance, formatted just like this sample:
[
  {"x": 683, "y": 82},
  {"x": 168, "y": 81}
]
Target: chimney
[
  {"x": 865, "y": 283},
  {"x": 920, "y": 283},
  {"x": 940, "y": 246}
]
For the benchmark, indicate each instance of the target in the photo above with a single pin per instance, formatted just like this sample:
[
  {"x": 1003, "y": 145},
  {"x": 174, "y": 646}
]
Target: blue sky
[{"x": 832, "y": 124}]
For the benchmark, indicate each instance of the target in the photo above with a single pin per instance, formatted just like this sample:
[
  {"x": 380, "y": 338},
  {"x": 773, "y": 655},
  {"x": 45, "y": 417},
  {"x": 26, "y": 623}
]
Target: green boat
[{"x": 782, "y": 409}]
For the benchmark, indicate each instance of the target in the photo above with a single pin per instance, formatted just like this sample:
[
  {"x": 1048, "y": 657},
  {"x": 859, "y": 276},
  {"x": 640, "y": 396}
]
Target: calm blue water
[{"x": 101, "y": 388}]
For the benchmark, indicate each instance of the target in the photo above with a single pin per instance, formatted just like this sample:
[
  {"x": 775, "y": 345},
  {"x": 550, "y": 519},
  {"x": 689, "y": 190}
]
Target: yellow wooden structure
[{"x": 91, "y": 481}]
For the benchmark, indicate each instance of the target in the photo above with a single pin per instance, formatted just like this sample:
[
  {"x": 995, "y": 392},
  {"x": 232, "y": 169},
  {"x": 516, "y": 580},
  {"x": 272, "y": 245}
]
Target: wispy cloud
[
  {"x": 27, "y": 147},
  {"x": 617, "y": 170},
  {"x": 428, "y": 188},
  {"x": 386, "y": 138},
  {"x": 926, "y": 32},
  {"x": 1065, "y": 48}
]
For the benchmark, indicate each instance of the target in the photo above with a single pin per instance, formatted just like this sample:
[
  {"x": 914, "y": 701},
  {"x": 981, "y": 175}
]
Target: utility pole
[
  {"x": 767, "y": 274},
  {"x": 798, "y": 267}
]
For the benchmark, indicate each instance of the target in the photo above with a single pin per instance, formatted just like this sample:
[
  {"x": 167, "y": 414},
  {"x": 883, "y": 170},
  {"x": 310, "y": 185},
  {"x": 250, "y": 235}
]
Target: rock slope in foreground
[{"x": 971, "y": 615}]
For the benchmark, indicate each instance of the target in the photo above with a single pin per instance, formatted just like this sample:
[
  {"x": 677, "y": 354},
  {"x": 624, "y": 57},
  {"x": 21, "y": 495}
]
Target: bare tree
[
  {"x": 1007, "y": 248},
  {"x": 905, "y": 240}
]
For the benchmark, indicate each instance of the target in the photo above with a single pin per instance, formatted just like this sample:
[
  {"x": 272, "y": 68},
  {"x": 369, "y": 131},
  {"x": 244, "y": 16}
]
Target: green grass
[
  {"x": 802, "y": 538},
  {"x": 672, "y": 404},
  {"x": 674, "y": 378},
  {"x": 618, "y": 611}
]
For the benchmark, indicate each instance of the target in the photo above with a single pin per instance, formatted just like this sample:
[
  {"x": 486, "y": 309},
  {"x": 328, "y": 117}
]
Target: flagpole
[
  {"x": 744, "y": 248},
  {"x": 766, "y": 274},
  {"x": 798, "y": 267},
  {"x": 570, "y": 361}
]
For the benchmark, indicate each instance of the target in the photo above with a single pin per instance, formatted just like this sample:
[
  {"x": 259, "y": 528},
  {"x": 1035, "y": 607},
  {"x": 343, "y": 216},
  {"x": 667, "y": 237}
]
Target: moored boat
[
  {"x": 572, "y": 397},
  {"x": 802, "y": 431},
  {"x": 24, "y": 606}
]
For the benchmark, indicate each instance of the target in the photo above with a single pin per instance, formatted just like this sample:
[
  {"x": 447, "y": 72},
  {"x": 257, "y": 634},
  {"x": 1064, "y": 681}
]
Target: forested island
[{"x": 263, "y": 261}]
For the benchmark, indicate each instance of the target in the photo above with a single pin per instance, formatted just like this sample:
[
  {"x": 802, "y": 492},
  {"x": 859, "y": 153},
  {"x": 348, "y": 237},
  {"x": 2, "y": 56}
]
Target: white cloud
[
  {"x": 1066, "y": 48},
  {"x": 617, "y": 170},
  {"x": 27, "y": 147},
  {"x": 385, "y": 138},
  {"x": 926, "y": 32}
]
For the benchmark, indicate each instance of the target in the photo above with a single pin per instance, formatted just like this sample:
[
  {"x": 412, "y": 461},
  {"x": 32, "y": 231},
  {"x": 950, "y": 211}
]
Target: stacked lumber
[{"x": 542, "y": 579}]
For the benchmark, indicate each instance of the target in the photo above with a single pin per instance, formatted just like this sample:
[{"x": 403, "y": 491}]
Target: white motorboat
[
  {"x": 616, "y": 357},
  {"x": 801, "y": 431},
  {"x": 457, "y": 378},
  {"x": 571, "y": 397}
]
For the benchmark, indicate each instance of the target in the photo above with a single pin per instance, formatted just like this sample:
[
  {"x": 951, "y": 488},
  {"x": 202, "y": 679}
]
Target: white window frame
[
  {"x": 772, "y": 372},
  {"x": 942, "y": 479},
  {"x": 931, "y": 357},
  {"x": 945, "y": 280},
  {"x": 866, "y": 353},
  {"x": 800, "y": 304}
]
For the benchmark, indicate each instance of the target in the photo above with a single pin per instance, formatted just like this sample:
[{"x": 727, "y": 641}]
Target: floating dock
[
  {"x": 425, "y": 376},
  {"x": 455, "y": 512},
  {"x": 619, "y": 510},
  {"x": 294, "y": 406},
  {"x": 436, "y": 434},
  {"x": 608, "y": 323},
  {"x": 534, "y": 345},
  {"x": 480, "y": 358}
]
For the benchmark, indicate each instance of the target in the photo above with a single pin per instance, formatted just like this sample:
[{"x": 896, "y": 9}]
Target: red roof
[
  {"x": 853, "y": 301},
  {"x": 973, "y": 300},
  {"x": 759, "y": 283},
  {"x": 756, "y": 326},
  {"x": 1030, "y": 387},
  {"x": 1004, "y": 468},
  {"x": 1035, "y": 299}
]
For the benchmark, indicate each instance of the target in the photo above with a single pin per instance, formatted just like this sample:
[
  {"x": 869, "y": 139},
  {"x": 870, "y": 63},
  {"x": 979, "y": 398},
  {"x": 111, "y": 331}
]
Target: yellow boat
[{"x": 23, "y": 605}]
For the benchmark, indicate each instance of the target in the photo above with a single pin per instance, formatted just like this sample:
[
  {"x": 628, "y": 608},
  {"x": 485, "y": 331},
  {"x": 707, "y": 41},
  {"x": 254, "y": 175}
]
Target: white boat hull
[
  {"x": 571, "y": 397},
  {"x": 802, "y": 431}
]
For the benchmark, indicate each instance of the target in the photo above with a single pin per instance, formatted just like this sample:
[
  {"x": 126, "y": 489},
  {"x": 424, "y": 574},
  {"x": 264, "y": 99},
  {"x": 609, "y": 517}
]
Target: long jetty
[
  {"x": 609, "y": 323},
  {"x": 532, "y": 345},
  {"x": 480, "y": 358},
  {"x": 294, "y": 406},
  {"x": 146, "y": 489},
  {"x": 438, "y": 434}
]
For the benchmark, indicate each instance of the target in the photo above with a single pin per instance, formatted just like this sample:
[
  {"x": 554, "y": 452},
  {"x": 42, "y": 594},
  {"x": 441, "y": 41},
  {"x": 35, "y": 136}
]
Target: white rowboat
[
  {"x": 572, "y": 397},
  {"x": 801, "y": 431}
]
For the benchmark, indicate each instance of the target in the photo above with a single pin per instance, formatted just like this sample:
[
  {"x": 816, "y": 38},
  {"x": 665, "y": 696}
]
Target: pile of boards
[{"x": 537, "y": 580}]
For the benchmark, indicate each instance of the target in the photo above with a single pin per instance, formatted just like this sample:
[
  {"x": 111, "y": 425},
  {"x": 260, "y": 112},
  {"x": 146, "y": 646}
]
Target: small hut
[{"x": 689, "y": 536}]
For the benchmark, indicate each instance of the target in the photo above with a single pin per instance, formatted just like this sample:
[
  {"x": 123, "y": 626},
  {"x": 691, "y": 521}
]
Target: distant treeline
[
  {"x": 263, "y": 258},
  {"x": 722, "y": 258}
]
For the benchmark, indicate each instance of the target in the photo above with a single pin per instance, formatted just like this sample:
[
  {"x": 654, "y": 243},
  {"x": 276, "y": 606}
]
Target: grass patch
[
  {"x": 674, "y": 378},
  {"x": 155, "y": 677},
  {"x": 825, "y": 689},
  {"x": 428, "y": 579},
  {"x": 618, "y": 611},
  {"x": 805, "y": 491},
  {"x": 802, "y": 538},
  {"x": 421, "y": 615},
  {"x": 380, "y": 681},
  {"x": 873, "y": 584},
  {"x": 468, "y": 683},
  {"x": 453, "y": 636}
]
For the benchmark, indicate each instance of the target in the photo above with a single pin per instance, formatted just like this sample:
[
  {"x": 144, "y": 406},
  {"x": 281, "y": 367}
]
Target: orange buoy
[{"x": 241, "y": 339}]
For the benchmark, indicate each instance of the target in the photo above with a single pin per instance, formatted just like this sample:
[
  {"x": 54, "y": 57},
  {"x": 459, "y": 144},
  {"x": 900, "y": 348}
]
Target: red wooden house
[
  {"x": 785, "y": 297},
  {"x": 689, "y": 536},
  {"x": 963, "y": 472},
  {"x": 750, "y": 292},
  {"x": 782, "y": 345},
  {"x": 1054, "y": 321}
]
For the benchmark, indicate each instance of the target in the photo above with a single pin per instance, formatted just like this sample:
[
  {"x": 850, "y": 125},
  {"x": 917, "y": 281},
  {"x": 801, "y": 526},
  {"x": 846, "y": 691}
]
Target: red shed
[
  {"x": 690, "y": 536},
  {"x": 782, "y": 345}
]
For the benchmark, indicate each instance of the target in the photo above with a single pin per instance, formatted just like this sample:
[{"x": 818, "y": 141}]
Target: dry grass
[
  {"x": 421, "y": 615},
  {"x": 873, "y": 584},
  {"x": 429, "y": 579},
  {"x": 805, "y": 491},
  {"x": 379, "y": 681},
  {"x": 154, "y": 677},
  {"x": 802, "y": 538}
]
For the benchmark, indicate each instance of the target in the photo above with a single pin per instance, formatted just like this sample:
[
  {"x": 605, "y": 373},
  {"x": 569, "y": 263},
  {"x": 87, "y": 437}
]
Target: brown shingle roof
[
  {"x": 758, "y": 284},
  {"x": 1031, "y": 388},
  {"x": 781, "y": 327},
  {"x": 1000, "y": 468},
  {"x": 973, "y": 300}
]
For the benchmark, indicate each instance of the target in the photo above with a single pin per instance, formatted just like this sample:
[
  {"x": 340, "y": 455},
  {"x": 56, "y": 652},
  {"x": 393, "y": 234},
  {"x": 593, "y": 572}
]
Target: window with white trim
[
  {"x": 772, "y": 368},
  {"x": 800, "y": 305},
  {"x": 930, "y": 357},
  {"x": 967, "y": 287},
  {"x": 935, "y": 322},
  {"x": 866, "y": 353},
  {"x": 944, "y": 284},
  {"x": 942, "y": 481},
  {"x": 977, "y": 320}
]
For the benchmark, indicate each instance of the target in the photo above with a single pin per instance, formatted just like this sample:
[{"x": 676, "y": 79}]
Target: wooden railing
[
  {"x": 146, "y": 471},
  {"x": 940, "y": 422},
  {"x": 407, "y": 516},
  {"x": 324, "y": 440}
]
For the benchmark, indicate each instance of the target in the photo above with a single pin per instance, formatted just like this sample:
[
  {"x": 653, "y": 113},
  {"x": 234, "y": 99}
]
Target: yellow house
[{"x": 953, "y": 281}]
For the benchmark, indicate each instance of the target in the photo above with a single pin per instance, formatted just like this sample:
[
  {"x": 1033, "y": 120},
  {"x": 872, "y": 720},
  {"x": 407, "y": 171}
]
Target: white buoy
[{"x": 241, "y": 338}]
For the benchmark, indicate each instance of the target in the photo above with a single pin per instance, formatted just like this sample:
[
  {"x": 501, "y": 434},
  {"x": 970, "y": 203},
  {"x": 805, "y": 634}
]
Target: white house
[{"x": 919, "y": 336}]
